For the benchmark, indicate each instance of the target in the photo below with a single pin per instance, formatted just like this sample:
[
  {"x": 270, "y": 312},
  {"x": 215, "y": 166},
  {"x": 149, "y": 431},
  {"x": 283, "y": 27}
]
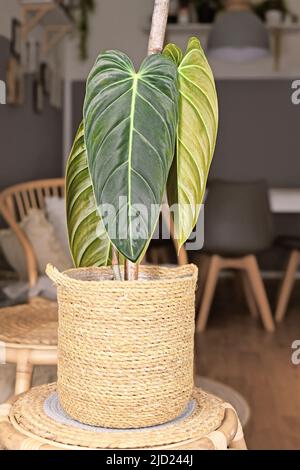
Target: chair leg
[
  {"x": 250, "y": 298},
  {"x": 208, "y": 293},
  {"x": 24, "y": 371},
  {"x": 287, "y": 285},
  {"x": 253, "y": 271}
]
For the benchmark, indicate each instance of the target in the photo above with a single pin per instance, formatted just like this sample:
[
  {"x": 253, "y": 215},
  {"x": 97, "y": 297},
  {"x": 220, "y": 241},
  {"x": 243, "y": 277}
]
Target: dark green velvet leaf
[{"x": 130, "y": 127}]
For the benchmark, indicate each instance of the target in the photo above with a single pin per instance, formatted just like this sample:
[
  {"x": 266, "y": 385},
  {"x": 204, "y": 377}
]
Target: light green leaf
[
  {"x": 196, "y": 136},
  {"x": 130, "y": 123},
  {"x": 88, "y": 240}
]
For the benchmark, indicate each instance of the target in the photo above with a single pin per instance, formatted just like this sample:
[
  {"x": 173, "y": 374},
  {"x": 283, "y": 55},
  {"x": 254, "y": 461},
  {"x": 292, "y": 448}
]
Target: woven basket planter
[{"x": 125, "y": 348}]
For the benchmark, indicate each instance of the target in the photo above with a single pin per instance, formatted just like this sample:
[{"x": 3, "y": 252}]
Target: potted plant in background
[
  {"x": 272, "y": 11},
  {"x": 126, "y": 335},
  {"x": 80, "y": 11},
  {"x": 207, "y": 10}
]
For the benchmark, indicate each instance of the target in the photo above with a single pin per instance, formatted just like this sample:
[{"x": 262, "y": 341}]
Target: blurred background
[{"x": 47, "y": 49}]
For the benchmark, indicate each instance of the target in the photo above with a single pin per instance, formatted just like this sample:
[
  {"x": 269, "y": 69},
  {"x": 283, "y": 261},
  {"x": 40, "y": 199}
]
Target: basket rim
[{"x": 188, "y": 272}]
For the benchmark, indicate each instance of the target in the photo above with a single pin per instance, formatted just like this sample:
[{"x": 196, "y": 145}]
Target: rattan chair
[
  {"x": 28, "y": 332},
  {"x": 31, "y": 339},
  {"x": 14, "y": 205}
]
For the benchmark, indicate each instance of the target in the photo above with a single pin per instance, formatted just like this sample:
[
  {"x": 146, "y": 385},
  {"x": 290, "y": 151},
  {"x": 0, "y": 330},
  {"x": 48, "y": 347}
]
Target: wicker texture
[
  {"x": 135, "y": 336},
  {"x": 15, "y": 203},
  {"x": 32, "y": 324},
  {"x": 27, "y": 416}
]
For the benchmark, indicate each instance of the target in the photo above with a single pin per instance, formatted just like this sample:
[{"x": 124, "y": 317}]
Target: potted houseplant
[
  {"x": 126, "y": 331},
  {"x": 264, "y": 8},
  {"x": 207, "y": 10}
]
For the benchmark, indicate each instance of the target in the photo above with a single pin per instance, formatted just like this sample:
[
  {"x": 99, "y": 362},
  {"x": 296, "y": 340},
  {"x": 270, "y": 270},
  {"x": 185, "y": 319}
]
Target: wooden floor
[{"x": 238, "y": 352}]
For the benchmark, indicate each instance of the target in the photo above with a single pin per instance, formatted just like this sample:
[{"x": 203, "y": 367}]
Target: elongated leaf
[
  {"x": 89, "y": 243},
  {"x": 130, "y": 127},
  {"x": 196, "y": 136}
]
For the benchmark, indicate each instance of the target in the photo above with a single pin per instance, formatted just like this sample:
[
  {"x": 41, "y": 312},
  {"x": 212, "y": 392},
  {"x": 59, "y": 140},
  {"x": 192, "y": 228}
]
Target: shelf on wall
[
  {"x": 47, "y": 13},
  {"x": 277, "y": 32},
  {"x": 206, "y": 27},
  {"x": 187, "y": 28},
  {"x": 51, "y": 15}
]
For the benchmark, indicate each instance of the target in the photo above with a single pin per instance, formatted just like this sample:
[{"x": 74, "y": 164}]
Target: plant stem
[
  {"x": 131, "y": 270},
  {"x": 116, "y": 265},
  {"x": 155, "y": 45},
  {"x": 158, "y": 26}
]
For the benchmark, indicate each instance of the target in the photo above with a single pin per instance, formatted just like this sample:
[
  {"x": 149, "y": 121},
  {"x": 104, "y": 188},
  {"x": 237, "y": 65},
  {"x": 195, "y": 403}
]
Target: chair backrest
[
  {"x": 22, "y": 197},
  {"x": 237, "y": 218},
  {"x": 15, "y": 203}
]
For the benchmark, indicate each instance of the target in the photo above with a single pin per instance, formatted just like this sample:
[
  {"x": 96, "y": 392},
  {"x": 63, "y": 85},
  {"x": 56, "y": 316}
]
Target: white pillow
[
  {"x": 13, "y": 252},
  {"x": 56, "y": 214},
  {"x": 45, "y": 243}
]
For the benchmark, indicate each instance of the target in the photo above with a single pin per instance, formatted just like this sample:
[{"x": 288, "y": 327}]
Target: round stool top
[
  {"x": 35, "y": 420},
  {"x": 32, "y": 324}
]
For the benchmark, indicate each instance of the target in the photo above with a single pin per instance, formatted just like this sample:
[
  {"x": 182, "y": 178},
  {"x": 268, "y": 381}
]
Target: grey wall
[
  {"x": 78, "y": 92},
  {"x": 31, "y": 144},
  {"x": 258, "y": 132}
]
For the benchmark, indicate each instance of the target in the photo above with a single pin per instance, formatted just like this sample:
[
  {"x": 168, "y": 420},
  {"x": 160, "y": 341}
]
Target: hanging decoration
[{"x": 86, "y": 7}]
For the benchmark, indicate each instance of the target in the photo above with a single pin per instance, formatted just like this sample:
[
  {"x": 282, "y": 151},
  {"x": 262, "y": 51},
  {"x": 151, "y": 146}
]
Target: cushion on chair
[
  {"x": 46, "y": 244},
  {"x": 56, "y": 214},
  {"x": 13, "y": 252}
]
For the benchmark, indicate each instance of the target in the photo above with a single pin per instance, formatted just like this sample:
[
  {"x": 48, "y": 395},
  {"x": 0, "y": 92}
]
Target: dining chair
[{"x": 237, "y": 226}]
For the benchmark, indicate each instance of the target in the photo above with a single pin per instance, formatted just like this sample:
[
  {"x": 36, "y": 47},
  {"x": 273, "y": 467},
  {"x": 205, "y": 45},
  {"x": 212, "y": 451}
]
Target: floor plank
[{"x": 238, "y": 352}]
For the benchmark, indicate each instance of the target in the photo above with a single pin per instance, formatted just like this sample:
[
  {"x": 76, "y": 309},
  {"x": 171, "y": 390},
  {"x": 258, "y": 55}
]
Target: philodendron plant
[{"x": 143, "y": 134}]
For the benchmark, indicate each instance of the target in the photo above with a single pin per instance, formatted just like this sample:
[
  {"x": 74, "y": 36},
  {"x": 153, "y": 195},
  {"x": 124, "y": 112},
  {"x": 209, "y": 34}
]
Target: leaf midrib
[{"x": 130, "y": 146}]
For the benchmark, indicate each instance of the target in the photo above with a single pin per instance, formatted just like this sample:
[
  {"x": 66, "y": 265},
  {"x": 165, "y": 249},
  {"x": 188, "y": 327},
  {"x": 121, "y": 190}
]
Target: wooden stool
[
  {"x": 29, "y": 336},
  {"x": 24, "y": 425}
]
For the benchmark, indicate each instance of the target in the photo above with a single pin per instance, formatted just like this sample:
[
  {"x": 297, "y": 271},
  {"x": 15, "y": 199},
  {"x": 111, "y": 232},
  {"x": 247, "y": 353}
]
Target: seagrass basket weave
[{"x": 125, "y": 349}]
